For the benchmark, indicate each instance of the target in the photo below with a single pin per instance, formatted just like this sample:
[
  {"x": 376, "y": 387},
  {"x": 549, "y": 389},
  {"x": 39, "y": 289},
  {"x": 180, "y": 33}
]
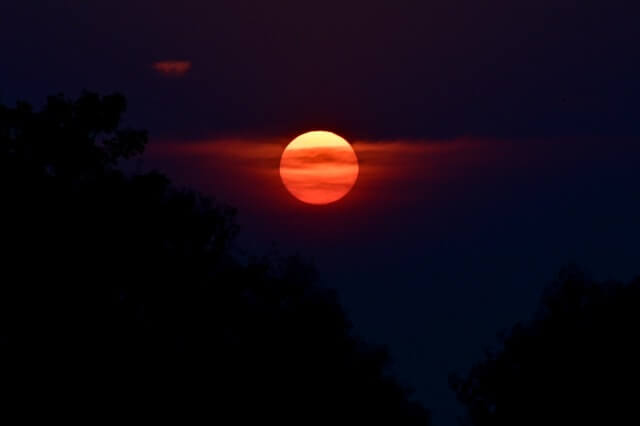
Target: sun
[{"x": 319, "y": 167}]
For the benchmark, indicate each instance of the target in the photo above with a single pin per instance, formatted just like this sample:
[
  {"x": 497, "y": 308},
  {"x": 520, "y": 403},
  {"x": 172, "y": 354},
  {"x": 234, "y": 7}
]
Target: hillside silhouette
[
  {"x": 576, "y": 362},
  {"x": 122, "y": 297}
]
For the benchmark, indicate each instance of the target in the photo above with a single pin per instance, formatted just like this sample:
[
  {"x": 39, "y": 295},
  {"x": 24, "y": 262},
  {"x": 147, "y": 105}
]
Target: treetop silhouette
[
  {"x": 122, "y": 294},
  {"x": 576, "y": 362}
]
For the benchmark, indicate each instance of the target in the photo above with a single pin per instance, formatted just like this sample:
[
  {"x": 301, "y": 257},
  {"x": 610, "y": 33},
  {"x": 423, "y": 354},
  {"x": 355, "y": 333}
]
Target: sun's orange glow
[{"x": 319, "y": 167}]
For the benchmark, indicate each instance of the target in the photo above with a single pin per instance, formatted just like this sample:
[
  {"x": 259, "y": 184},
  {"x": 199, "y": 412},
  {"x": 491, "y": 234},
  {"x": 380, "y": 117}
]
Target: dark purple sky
[
  {"x": 373, "y": 69},
  {"x": 498, "y": 140}
]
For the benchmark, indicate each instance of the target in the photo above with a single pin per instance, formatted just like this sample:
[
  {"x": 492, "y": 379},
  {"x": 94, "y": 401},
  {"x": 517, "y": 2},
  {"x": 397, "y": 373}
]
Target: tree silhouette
[
  {"x": 122, "y": 297},
  {"x": 576, "y": 362}
]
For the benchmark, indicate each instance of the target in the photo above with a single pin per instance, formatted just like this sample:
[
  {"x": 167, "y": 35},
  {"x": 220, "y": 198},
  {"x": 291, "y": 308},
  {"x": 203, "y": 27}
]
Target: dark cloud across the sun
[
  {"x": 368, "y": 69},
  {"x": 304, "y": 158}
]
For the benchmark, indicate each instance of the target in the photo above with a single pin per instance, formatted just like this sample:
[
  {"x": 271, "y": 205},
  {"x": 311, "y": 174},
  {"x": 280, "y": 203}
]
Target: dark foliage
[
  {"x": 121, "y": 296},
  {"x": 576, "y": 363}
]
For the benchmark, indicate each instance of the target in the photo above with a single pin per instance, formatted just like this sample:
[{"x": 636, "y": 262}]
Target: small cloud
[{"x": 172, "y": 68}]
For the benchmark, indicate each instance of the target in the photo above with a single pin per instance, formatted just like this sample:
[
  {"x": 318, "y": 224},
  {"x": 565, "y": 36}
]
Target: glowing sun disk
[{"x": 319, "y": 167}]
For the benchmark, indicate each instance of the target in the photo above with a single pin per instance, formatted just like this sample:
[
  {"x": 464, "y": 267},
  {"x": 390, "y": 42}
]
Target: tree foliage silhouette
[
  {"x": 576, "y": 362},
  {"x": 123, "y": 293}
]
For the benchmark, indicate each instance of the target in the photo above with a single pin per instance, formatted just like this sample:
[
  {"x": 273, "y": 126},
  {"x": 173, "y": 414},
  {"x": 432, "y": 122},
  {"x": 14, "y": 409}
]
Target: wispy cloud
[{"x": 172, "y": 68}]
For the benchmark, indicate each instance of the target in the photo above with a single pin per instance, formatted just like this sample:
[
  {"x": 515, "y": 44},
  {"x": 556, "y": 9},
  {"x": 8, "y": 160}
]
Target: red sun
[{"x": 319, "y": 167}]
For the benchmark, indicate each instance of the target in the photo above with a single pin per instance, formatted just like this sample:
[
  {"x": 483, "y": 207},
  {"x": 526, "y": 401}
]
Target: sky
[{"x": 497, "y": 140}]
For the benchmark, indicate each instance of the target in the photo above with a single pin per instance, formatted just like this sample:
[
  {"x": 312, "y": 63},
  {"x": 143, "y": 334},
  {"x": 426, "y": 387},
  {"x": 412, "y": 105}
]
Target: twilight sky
[
  {"x": 373, "y": 69},
  {"x": 498, "y": 141}
]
